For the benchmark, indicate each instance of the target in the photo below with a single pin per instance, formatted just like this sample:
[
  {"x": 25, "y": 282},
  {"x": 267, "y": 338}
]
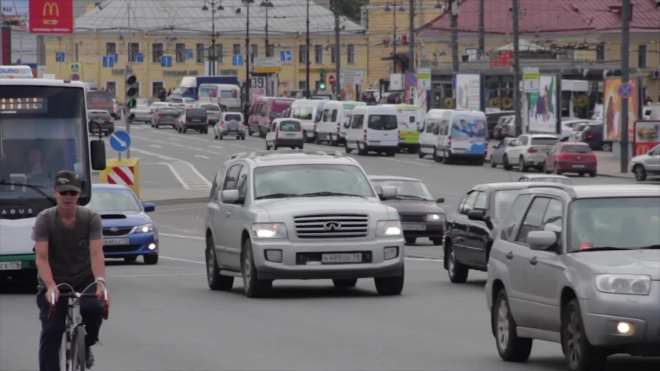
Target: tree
[{"x": 351, "y": 8}]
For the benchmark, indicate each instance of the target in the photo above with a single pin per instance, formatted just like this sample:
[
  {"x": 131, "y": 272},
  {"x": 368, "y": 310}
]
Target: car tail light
[
  {"x": 449, "y": 142},
  {"x": 234, "y": 94},
  {"x": 562, "y": 157},
  {"x": 114, "y": 106},
  {"x": 532, "y": 150},
  {"x": 160, "y": 115},
  {"x": 199, "y": 97},
  {"x": 222, "y": 125},
  {"x": 365, "y": 134},
  {"x": 112, "y": 121},
  {"x": 590, "y": 135}
]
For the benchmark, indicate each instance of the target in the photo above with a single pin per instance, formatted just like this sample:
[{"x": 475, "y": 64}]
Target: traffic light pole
[
  {"x": 337, "y": 51},
  {"x": 130, "y": 68}
]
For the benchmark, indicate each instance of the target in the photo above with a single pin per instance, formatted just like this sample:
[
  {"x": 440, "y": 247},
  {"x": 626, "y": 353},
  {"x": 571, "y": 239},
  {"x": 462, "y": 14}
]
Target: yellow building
[{"x": 182, "y": 31}]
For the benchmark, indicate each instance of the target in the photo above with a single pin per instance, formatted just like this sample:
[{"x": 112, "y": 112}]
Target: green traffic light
[
  {"x": 131, "y": 103},
  {"x": 322, "y": 86}
]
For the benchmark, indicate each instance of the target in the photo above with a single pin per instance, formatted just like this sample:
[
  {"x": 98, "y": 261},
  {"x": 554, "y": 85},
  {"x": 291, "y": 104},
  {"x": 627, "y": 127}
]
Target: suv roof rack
[
  {"x": 564, "y": 187},
  {"x": 315, "y": 152}
]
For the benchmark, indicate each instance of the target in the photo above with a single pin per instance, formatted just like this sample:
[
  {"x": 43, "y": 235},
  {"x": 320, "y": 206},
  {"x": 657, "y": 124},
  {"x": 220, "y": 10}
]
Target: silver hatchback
[{"x": 230, "y": 125}]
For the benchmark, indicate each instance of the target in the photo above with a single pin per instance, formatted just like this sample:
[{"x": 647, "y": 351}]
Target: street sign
[
  {"x": 411, "y": 79},
  {"x": 424, "y": 78},
  {"x": 139, "y": 58},
  {"x": 625, "y": 91},
  {"x": 351, "y": 77},
  {"x": 331, "y": 79},
  {"x": 286, "y": 56},
  {"x": 166, "y": 61},
  {"x": 108, "y": 61},
  {"x": 237, "y": 60},
  {"x": 74, "y": 68},
  {"x": 531, "y": 76},
  {"x": 189, "y": 54},
  {"x": 59, "y": 57},
  {"x": 267, "y": 65},
  {"x": 120, "y": 141},
  {"x": 116, "y": 57}
]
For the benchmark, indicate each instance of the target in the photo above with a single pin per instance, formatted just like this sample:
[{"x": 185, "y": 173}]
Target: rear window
[
  {"x": 575, "y": 149},
  {"x": 196, "y": 113},
  {"x": 289, "y": 126},
  {"x": 226, "y": 94},
  {"x": 211, "y": 107},
  {"x": 208, "y": 92},
  {"x": 168, "y": 111},
  {"x": 544, "y": 141},
  {"x": 176, "y": 100},
  {"x": 232, "y": 117},
  {"x": 383, "y": 122},
  {"x": 99, "y": 114}
]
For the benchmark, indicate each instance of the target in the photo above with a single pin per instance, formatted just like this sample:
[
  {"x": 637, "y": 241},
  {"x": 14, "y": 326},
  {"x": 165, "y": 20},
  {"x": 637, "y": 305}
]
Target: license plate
[
  {"x": 289, "y": 135},
  {"x": 578, "y": 166},
  {"x": 10, "y": 266},
  {"x": 196, "y": 120},
  {"x": 414, "y": 227},
  {"x": 341, "y": 258},
  {"x": 115, "y": 241}
]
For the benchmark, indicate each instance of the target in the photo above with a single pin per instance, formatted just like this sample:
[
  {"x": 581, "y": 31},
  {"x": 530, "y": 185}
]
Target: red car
[{"x": 571, "y": 157}]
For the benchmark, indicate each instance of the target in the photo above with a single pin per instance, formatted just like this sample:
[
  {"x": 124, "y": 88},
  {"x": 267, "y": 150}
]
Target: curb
[
  {"x": 177, "y": 201},
  {"x": 616, "y": 176}
]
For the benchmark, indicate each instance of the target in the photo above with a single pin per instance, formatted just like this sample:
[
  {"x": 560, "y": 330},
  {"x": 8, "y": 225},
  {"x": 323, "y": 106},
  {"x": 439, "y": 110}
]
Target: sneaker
[{"x": 89, "y": 357}]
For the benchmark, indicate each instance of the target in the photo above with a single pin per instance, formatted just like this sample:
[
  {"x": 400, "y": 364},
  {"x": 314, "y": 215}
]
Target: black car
[
  {"x": 194, "y": 119},
  {"x": 104, "y": 120},
  {"x": 470, "y": 230},
  {"x": 492, "y": 118},
  {"x": 593, "y": 136},
  {"x": 420, "y": 214}
]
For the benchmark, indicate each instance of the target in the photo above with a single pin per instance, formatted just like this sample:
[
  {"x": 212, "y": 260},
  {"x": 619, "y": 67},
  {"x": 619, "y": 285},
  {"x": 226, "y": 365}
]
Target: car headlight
[
  {"x": 628, "y": 284},
  {"x": 269, "y": 230},
  {"x": 144, "y": 228},
  {"x": 435, "y": 218},
  {"x": 388, "y": 228}
]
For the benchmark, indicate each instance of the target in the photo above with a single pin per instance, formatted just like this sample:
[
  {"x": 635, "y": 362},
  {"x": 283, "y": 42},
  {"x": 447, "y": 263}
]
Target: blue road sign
[
  {"x": 189, "y": 54},
  {"x": 285, "y": 56},
  {"x": 59, "y": 57},
  {"x": 120, "y": 141},
  {"x": 139, "y": 57},
  {"x": 411, "y": 79},
  {"x": 453, "y": 83},
  {"x": 116, "y": 57},
  {"x": 108, "y": 61},
  {"x": 625, "y": 91},
  {"x": 237, "y": 60},
  {"x": 165, "y": 61}
]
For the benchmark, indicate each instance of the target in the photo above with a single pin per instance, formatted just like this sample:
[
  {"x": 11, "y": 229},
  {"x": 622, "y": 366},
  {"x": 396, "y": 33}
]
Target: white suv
[
  {"x": 528, "y": 150},
  {"x": 300, "y": 215}
]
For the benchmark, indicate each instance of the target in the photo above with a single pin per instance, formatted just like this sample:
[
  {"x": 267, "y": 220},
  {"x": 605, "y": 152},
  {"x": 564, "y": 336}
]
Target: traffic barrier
[{"x": 125, "y": 172}]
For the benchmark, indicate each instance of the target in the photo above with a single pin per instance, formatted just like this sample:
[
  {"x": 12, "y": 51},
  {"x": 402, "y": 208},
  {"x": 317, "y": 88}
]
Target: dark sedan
[
  {"x": 421, "y": 216},
  {"x": 104, "y": 120}
]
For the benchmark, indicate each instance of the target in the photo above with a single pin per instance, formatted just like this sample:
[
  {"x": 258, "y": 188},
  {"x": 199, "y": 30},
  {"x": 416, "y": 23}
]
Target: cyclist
[{"x": 69, "y": 248}]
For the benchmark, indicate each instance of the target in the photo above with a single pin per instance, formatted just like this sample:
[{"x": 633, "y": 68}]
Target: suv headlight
[
  {"x": 628, "y": 284},
  {"x": 388, "y": 228},
  {"x": 269, "y": 230},
  {"x": 144, "y": 228},
  {"x": 435, "y": 218}
]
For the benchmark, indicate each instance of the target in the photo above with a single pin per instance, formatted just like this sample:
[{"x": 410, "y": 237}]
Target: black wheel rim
[{"x": 573, "y": 340}]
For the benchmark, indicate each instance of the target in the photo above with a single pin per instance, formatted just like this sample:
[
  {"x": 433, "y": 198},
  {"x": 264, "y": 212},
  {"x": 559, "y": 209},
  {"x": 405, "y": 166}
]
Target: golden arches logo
[
  {"x": 642, "y": 149},
  {"x": 51, "y": 7}
]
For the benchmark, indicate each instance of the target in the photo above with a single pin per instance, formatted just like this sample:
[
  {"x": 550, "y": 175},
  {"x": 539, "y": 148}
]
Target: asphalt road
[{"x": 164, "y": 317}]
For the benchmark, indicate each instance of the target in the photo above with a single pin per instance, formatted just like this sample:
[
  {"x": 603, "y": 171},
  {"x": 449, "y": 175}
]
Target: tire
[
  {"x": 420, "y": 154},
  {"x": 445, "y": 158},
  {"x": 252, "y": 285},
  {"x": 391, "y": 153},
  {"x": 413, "y": 150},
  {"x": 317, "y": 139},
  {"x": 510, "y": 347},
  {"x": 130, "y": 259},
  {"x": 592, "y": 174},
  {"x": 437, "y": 241},
  {"x": 410, "y": 240},
  {"x": 390, "y": 286},
  {"x": 78, "y": 357},
  {"x": 458, "y": 273},
  {"x": 480, "y": 162},
  {"x": 345, "y": 283},
  {"x": 522, "y": 165},
  {"x": 581, "y": 173},
  {"x": 505, "y": 163},
  {"x": 580, "y": 354},
  {"x": 216, "y": 137},
  {"x": 492, "y": 162},
  {"x": 557, "y": 171},
  {"x": 435, "y": 156},
  {"x": 216, "y": 281},
  {"x": 267, "y": 147},
  {"x": 333, "y": 142},
  {"x": 348, "y": 150},
  {"x": 640, "y": 173},
  {"x": 243, "y": 137},
  {"x": 545, "y": 169},
  {"x": 361, "y": 151},
  {"x": 150, "y": 259}
]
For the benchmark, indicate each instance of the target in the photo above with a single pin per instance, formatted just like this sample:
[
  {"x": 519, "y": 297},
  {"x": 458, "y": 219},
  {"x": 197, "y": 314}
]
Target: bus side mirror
[{"x": 98, "y": 154}]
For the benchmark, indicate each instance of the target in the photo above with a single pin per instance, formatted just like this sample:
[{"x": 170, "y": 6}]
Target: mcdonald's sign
[
  {"x": 647, "y": 136},
  {"x": 51, "y": 16}
]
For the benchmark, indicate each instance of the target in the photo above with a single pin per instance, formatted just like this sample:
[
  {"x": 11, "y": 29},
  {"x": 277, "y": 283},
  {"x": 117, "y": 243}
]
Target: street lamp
[
  {"x": 388, "y": 9},
  {"x": 213, "y": 57},
  {"x": 248, "y": 83},
  {"x": 267, "y": 4}
]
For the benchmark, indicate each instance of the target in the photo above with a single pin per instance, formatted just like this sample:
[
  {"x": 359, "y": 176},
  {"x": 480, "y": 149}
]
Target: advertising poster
[
  {"x": 647, "y": 136},
  {"x": 612, "y": 110},
  {"x": 15, "y": 14},
  {"x": 470, "y": 133},
  {"x": 51, "y": 17},
  {"x": 542, "y": 107},
  {"x": 468, "y": 91}
]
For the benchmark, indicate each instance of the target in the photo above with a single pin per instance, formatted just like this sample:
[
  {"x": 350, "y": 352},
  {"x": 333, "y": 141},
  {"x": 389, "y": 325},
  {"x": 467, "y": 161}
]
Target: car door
[
  {"x": 460, "y": 227},
  {"x": 236, "y": 218},
  {"x": 478, "y": 234},
  {"x": 652, "y": 162},
  {"x": 220, "y": 213},
  {"x": 498, "y": 151},
  {"x": 552, "y": 158}
]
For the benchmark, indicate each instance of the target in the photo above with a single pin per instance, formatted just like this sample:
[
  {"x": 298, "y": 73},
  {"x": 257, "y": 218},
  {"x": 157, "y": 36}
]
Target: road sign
[
  {"x": 139, "y": 57},
  {"x": 351, "y": 77},
  {"x": 108, "y": 61},
  {"x": 286, "y": 56},
  {"x": 116, "y": 57},
  {"x": 166, "y": 61},
  {"x": 531, "y": 76},
  {"x": 125, "y": 172},
  {"x": 267, "y": 65},
  {"x": 120, "y": 141},
  {"x": 424, "y": 78},
  {"x": 625, "y": 91},
  {"x": 59, "y": 57},
  {"x": 189, "y": 54},
  {"x": 411, "y": 79},
  {"x": 237, "y": 60},
  {"x": 331, "y": 79},
  {"x": 49, "y": 16},
  {"x": 124, "y": 175},
  {"x": 74, "y": 68}
]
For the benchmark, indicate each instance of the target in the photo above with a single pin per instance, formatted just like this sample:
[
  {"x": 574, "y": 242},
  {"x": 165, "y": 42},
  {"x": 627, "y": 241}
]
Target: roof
[
  {"x": 502, "y": 186},
  {"x": 286, "y": 17},
  {"x": 293, "y": 157},
  {"x": 386, "y": 177},
  {"x": 581, "y": 17},
  {"x": 43, "y": 82}
]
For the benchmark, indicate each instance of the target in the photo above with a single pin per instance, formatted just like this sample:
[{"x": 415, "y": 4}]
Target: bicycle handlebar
[{"x": 74, "y": 294}]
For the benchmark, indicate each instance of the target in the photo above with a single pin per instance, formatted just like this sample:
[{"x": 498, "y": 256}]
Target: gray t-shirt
[{"x": 68, "y": 248}]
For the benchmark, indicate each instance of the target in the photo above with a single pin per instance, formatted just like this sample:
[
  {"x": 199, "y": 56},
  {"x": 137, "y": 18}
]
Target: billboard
[
  {"x": 612, "y": 109},
  {"x": 51, "y": 16},
  {"x": 15, "y": 14},
  {"x": 468, "y": 91},
  {"x": 647, "y": 136},
  {"x": 542, "y": 107}
]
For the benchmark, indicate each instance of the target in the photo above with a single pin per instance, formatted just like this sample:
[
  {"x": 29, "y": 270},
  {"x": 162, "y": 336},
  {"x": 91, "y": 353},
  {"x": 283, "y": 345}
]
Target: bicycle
[{"x": 72, "y": 353}]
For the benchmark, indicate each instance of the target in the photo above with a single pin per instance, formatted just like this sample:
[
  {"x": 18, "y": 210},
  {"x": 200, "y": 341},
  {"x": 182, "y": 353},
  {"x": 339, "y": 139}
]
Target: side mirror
[
  {"x": 440, "y": 200},
  {"x": 481, "y": 216},
  {"x": 541, "y": 240},
  {"x": 229, "y": 196},
  {"x": 97, "y": 148},
  {"x": 388, "y": 192},
  {"x": 149, "y": 207}
]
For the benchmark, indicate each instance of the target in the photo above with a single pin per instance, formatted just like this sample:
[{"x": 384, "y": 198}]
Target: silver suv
[
  {"x": 300, "y": 215},
  {"x": 579, "y": 266}
]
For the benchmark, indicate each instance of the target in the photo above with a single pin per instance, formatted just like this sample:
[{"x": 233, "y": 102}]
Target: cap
[{"x": 66, "y": 180}]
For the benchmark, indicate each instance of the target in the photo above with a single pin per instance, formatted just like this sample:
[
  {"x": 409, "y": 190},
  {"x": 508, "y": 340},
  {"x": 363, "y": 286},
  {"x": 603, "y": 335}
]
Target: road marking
[
  {"x": 176, "y": 175},
  {"x": 184, "y": 171},
  {"x": 180, "y": 235},
  {"x": 182, "y": 260},
  {"x": 155, "y": 146},
  {"x": 159, "y": 275},
  {"x": 218, "y": 147},
  {"x": 204, "y": 157},
  {"x": 407, "y": 162},
  {"x": 238, "y": 145},
  {"x": 177, "y": 209}
]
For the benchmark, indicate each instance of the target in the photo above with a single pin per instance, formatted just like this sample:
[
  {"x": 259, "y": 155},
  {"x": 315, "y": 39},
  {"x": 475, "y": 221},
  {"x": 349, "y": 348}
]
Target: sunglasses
[{"x": 69, "y": 193}]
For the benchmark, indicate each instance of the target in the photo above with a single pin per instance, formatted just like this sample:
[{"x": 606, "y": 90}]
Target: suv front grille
[
  {"x": 332, "y": 226},
  {"x": 413, "y": 218}
]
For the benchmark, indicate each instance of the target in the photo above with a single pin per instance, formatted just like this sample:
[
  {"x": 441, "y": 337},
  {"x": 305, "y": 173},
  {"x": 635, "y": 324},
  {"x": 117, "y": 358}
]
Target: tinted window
[
  {"x": 533, "y": 219},
  {"x": 326, "y": 113},
  {"x": 168, "y": 111},
  {"x": 469, "y": 203},
  {"x": 232, "y": 177},
  {"x": 290, "y": 126},
  {"x": 334, "y": 116},
  {"x": 523, "y": 140},
  {"x": 232, "y": 117},
  {"x": 242, "y": 182},
  {"x": 431, "y": 124},
  {"x": 357, "y": 121},
  {"x": 211, "y": 107},
  {"x": 196, "y": 113},
  {"x": 513, "y": 216},
  {"x": 544, "y": 141},
  {"x": 103, "y": 115},
  {"x": 552, "y": 221},
  {"x": 383, "y": 122},
  {"x": 226, "y": 94},
  {"x": 575, "y": 149},
  {"x": 176, "y": 100},
  {"x": 207, "y": 92}
]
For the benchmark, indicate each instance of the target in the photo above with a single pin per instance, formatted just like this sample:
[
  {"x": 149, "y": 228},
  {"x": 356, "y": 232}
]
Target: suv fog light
[
  {"x": 274, "y": 256},
  {"x": 391, "y": 253},
  {"x": 152, "y": 246},
  {"x": 625, "y": 328}
]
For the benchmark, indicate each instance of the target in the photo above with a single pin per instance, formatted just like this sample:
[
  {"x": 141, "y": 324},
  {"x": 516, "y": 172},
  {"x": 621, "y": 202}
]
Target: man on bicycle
[{"x": 69, "y": 248}]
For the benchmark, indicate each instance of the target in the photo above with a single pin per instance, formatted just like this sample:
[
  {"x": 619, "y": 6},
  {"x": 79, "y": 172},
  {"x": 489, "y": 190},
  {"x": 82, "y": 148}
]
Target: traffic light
[
  {"x": 132, "y": 91},
  {"x": 322, "y": 82}
]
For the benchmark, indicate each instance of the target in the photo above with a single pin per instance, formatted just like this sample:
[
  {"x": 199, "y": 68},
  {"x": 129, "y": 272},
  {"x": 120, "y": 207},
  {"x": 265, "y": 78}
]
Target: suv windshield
[
  {"x": 624, "y": 223},
  {"x": 300, "y": 179},
  {"x": 406, "y": 188},
  {"x": 383, "y": 122},
  {"x": 289, "y": 126}
]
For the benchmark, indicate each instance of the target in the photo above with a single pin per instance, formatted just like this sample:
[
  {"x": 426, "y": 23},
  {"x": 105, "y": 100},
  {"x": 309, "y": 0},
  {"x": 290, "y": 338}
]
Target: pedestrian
[
  {"x": 69, "y": 249},
  {"x": 162, "y": 95}
]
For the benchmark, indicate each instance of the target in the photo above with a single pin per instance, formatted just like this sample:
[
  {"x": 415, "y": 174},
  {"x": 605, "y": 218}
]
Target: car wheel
[
  {"x": 216, "y": 137},
  {"x": 391, "y": 153},
  {"x": 557, "y": 171},
  {"x": 580, "y": 354},
  {"x": 317, "y": 139},
  {"x": 545, "y": 168},
  {"x": 150, "y": 259},
  {"x": 510, "y": 347},
  {"x": 410, "y": 240},
  {"x": 362, "y": 151},
  {"x": 420, "y": 154},
  {"x": 640, "y": 172},
  {"x": 345, "y": 283},
  {"x": 458, "y": 273},
  {"x": 130, "y": 259},
  {"x": 334, "y": 142},
  {"x": 436, "y": 241},
  {"x": 492, "y": 162},
  {"x": 267, "y": 147},
  {"x": 243, "y": 137},
  {"x": 522, "y": 166},
  {"x": 389, "y": 286},
  {"x": 581, "y": 173},
  {"x": 592, "y": 174},
  {"x": 436, "y": 158},
  {"x": 347, "y": 149},
  {"x": 505, "y": 163},
  {"x": 445, "y": 158},
  {"x": 252, "y": 285},
  {"x": 215, "y": 280}
]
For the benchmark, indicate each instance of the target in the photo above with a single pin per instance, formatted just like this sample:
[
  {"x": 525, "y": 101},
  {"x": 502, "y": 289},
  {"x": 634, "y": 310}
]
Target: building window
[
  {"x": 472, "y": 54},
  {"x": 156, "y": 52},
  {"x": 156, "y": 87},
  {"x": 200, "y": 53},
  {"x": 111, "y": 87},
  {"x": 254, "y": 52},
  {"x": 302, "y": 54},
  {"x": 332, "y": 54},
  {"x": 133, "y": 48},
  {"x": 270, "y": 50},
  {"x": 180, "y": 53},
  {"x": 75, "y": 52},
  {"x": 600, "y": 52},
  {"x": 302, "y": 85},
  {"x": 221, "y": 51},
  {"x": 110, "y": 48},
  {"x": 643, "y": 52},
  {"x": 350, "y": 54},
  {"x": 237, "y": 49},
  {"x": 318, "y": 54}
]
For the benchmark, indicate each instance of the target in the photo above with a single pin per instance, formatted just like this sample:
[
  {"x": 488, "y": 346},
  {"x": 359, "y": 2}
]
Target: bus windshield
[{"x": 42, "y": 131}]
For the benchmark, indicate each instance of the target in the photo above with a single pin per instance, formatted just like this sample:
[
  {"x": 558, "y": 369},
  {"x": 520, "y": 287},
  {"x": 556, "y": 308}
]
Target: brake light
[
  {"x": 532, "y": 150},
  {"x": 562, "y": 157},
  {"x": 114, "y": 106},
  {"x": 112, "y": 121},
  {"x": 199, "y": 97},
  {"x": 151, "y": 112},
  {"x": 590, "y": 135},
  {"x": 234, "y": 94},
  {"x": 449, "y": 141},
  {"x": 365, "y": 134},
  {"x": 160, "y": 115},
  {"x": 222, "y": 125}
]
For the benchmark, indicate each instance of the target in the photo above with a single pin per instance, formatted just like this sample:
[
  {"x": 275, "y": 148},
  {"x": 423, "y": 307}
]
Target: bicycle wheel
[
  {"x": 78, "y": 357},
  {"x": 64, "y": 352}
]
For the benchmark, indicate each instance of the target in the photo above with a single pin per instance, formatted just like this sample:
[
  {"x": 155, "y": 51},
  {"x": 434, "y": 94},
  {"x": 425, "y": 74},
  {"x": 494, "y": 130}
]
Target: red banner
[
  {"x": 51, "y": 16},
  {"x": 647, "y": 136}
]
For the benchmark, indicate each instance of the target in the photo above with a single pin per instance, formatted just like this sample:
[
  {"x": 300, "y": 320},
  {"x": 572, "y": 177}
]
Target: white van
[
  {"x": 226, "y": 95},
  {"x": 334, "y": 121},
  {"x": 373, "y": 128},
  {"x": 411, "y": 118},
  {"x": 428, "y": 137},
  {"x": 308, "y": 112},
  {"x": 462, "y": 135}
]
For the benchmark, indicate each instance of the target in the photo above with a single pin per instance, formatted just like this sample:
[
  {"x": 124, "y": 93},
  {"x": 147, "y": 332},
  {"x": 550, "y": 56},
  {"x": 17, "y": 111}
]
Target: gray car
[
  {"x": 213, "y": 111},
  {"x": 165, "y": 116},
  {"x": 579, "y": 266},
  {"x": 300, "y": 215},
  {"x": 230, "y": 125}
]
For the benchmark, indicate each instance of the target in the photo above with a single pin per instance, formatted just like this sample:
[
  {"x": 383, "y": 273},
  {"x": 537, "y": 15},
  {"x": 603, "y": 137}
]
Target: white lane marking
[
  {"x": 218, "y": 147},
  {"x": 182, "y": 260},
  {"x": 238, "y": 145},
  {"x": 217, "y": 153},
  {"x": 159, "y": 275},
  {"x": 407, "y": 162},
  {"x": 176, "y": 209},
  {"x": 176, "y": 175},
  {"x": 180, "y": 235},
  {"x": 204, "y": 157},
  {"x": 184, "y": 171},
  {"x": 155, "y": 146},
  {"x": 187, "y": 137}
]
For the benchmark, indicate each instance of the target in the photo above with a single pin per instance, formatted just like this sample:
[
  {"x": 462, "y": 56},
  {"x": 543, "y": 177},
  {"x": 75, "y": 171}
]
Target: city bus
[{"x": 43, "y": 129}]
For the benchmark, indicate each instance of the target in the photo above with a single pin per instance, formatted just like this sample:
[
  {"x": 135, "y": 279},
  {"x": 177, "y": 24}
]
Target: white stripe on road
[
  {"x": 218, "y": 147},
  {"x": 204, "y": 157},
  {"x": 184, "y": 171},
  {"x": 182, "y": 260},
  {"x": 180, "y": 235},
  {"x": 176, "y": 175},
  {"x": 155, "y": 146},
  {"x": 159, "y": 275}
]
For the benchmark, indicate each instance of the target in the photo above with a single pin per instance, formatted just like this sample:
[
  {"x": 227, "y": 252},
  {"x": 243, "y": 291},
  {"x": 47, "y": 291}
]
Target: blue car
[{"x": 128, "y": 231}]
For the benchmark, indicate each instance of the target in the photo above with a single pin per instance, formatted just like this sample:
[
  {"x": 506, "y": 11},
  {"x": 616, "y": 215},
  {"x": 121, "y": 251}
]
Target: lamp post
[
  {"x": 388, "y": 9},
  {"x": 307, "y": 91},
  {"x": 213, "y": 57},
  {"x": 267, "y": 4},
  {"x": 248, "y": 82}
]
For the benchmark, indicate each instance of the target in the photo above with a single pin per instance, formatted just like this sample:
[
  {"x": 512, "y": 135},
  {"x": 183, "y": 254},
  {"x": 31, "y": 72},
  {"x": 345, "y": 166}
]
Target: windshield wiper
[
  {"x": 277, "y": 195},
  {"x": 602, "y": 248},
  {"x": 31, "y": 186},
  {"x": 413, "y": 197},
  {"x": 326, "y": 193}
]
